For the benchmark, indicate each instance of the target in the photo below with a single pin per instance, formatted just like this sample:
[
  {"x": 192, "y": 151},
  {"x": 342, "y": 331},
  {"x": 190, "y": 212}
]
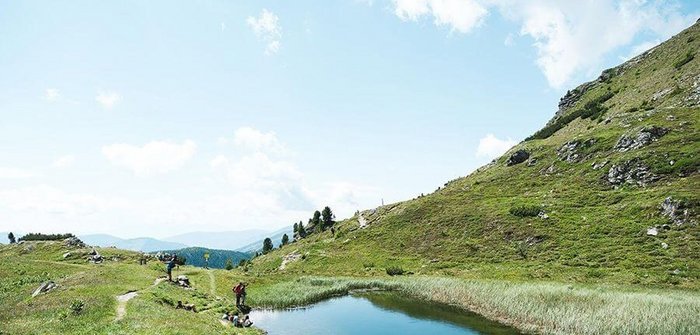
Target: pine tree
[
  {"x": 11, "y": 237},
  {"x": 296, "y": 228},
  {"x": 327, "y": 217},
  {"x": 285, "y": 239},
  {"x": 229, "y": 264},
  {"x": 316, "y": 220},
  {"x": 301, "y": 230},
  {"x": 267, "y": 245}
]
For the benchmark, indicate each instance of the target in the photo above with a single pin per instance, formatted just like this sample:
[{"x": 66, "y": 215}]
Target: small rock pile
[
  {"x": 675, "y": 210},
  {"x": 570, "y": 151},
  {"x": 633, "y": 172},
  {"x": 183, "y": 281},
  {"x": 95, "y": 257}
]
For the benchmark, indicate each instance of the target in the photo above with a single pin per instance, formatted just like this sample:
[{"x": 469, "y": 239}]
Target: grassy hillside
[
  {"x": 590, "y": 226},
  {"x": 596, "y": 175},
  {"x": 95, "y": 287}
]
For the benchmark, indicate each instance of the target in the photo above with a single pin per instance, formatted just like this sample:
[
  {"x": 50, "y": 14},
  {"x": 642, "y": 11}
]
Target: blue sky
[{"x": 156, "y": 118}]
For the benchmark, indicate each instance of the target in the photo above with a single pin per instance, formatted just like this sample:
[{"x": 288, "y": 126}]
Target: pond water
[{"x": 376, "y": 313}]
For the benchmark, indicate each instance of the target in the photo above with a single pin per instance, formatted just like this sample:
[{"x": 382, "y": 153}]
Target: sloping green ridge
[{"x": 595, "y": 231}]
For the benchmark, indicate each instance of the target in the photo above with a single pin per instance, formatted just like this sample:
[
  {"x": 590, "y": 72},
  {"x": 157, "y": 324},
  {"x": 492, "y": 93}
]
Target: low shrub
[
  {"x": 685, "y": 60},
  {"x": 525, "y": 211},
  {"x": 394, "y": 271},
  {"x": 44, "y": 237}
]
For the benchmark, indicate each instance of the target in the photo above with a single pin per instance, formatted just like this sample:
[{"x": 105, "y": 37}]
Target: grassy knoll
[{"x": 95, "y": 287}]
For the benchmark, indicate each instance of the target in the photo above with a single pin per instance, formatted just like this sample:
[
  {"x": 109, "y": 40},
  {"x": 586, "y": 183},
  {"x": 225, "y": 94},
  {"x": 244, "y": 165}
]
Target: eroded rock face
[
  {"x": 633, "y": 172},
  {"x": 518, "y": 157},
  {"x": 644, "y": 137},
  {"x": 571, "y": 151}
]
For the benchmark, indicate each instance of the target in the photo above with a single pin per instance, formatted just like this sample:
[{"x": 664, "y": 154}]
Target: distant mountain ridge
[
  {"x": 224, "y": 240},
  {"x": 145, "y": 244},
  {"x": 276, "y": 237}
]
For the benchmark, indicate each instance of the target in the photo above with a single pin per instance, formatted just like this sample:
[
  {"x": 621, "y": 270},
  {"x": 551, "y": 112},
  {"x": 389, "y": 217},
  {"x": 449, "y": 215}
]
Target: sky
[{"x": 156, "y": 118}]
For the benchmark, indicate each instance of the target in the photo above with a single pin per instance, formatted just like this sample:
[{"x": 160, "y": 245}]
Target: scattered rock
[
  {"x": 74, "y": 242},
  {"x": 660, "y": 94},
  {"x": 542, "y": 215},
  {"x": 183, "y": 281},
  {"x": 597, "y": 166},
  {"x": 95, "y": 257},
  {"x": 644, "y": 137},
  {"x": 570, "y": 151},
  {"x": 517, "y": 157},
  {"x": 293, "y": 257},
  {"x": 675, "y": 210},
  {"x": 44, "y": 287},
  {"x": 551, "y": 169},
  {"x": 664, "y": 245},
  {"x": 66, "y": 255},
  {"x": 633, "y": 172},
  {"x": 652, "y": 231},
  {"x": 676, "y": 272},
  {"x": 532, "y": 240},
  {"x": 532, "y": 161}
]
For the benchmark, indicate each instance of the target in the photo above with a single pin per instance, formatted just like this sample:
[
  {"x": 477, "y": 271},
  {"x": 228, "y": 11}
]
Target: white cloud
[
  {"x": 266, "y": 26},
  {"x": 52, "y": 94},
  {"x": 108, "y": 99},
  {"x": 509, "y": 41},
  {"x": 48, "y": 199},
  {"x": 63, "y": 161},
  {"x": 491, "y": 147},
  {"x": 223, "y": 26},
  {"x": 253, "y": 139},
  {"x": 571, "y": 37},
  {"x": 459, "y": 15},
  {"x": 155, "y": 157},
  {"x": 15, "y": 173}
]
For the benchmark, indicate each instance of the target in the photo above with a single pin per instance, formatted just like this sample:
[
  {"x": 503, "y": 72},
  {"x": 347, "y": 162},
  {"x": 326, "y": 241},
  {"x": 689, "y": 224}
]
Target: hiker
[
  {"x": 246, "y": 321},
  {"x": 226, "y": 316},
  {"x": 235, "y": 320},
  {"x": 238, "y": 290},
  {"x": 170, "y": 265},
  {"x": 243, "y": 294}
]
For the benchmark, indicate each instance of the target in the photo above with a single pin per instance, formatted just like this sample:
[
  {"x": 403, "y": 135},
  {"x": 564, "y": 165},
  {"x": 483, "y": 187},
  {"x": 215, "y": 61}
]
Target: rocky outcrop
[
  {"x": 44, "y": 287},
  {"x": 518, "y": 157},
  {"x": 633, "y": 172},
  {"x": 571, "y": 151},
  {"x": 74, "y": 242},
  {"x": 675, "y": 210},
  {"x": 643, "y": 137}
]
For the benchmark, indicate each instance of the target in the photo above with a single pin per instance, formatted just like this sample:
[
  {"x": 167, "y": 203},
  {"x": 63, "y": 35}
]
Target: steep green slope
[{"x": 607, "y": 192}]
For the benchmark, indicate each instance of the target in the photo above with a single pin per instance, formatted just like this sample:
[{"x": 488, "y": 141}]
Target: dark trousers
[{"x": 238, "y": 299}]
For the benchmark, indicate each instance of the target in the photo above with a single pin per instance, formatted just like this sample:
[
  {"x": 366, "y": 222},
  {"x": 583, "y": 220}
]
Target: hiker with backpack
[
  {"x": 239, "y": 290},
  {"x": 169, "y": 267}
]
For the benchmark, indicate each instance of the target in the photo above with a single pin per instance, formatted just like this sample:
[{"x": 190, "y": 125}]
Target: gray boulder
[
  {"x": 44, "y": 287},
  {"x": 643, "y": 137},
  {"x": 518, "y": 157}
]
